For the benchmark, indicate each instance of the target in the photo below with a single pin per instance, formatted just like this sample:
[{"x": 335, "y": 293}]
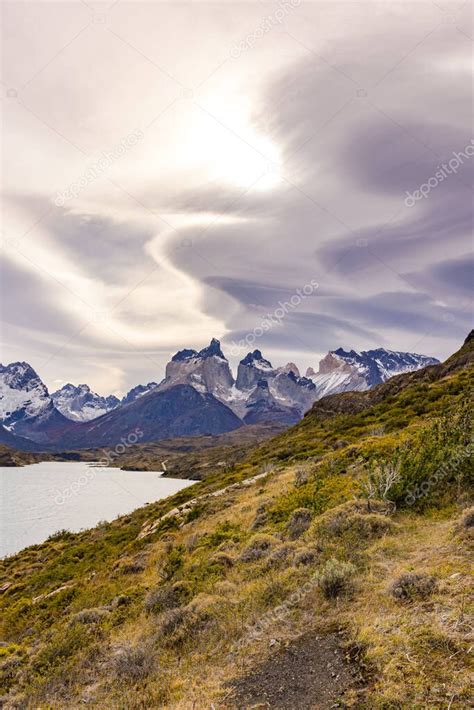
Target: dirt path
[{"x": 310, "y": 673}]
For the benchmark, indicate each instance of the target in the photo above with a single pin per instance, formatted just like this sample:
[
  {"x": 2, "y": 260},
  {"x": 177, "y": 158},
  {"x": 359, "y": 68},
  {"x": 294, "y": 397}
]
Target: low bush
[
  {"x": 302, "y": 475},
  {"x": 412, "y": 586},
  {"x": 306, "y": 556},
  {"x": 173, "y": 619},
  {"x": 261, "y": 517},
  {"x": 362, "y": 526},
  {"x": 223, "y": 559},
  {"x": 131, "y": 566},
  {"x": 89, "y": 616},
  {"x": 166, "y": 597},
  {"x": 133, "y": 663},
  {"x": 467, "y": 519},
  {"x": 299, "y": 522},
  {"x": 182, "y": 623},
  {"x": 281, "y": 555},
  {"x": 258, "y": 547},
  {"x": 335, "y": 578}
]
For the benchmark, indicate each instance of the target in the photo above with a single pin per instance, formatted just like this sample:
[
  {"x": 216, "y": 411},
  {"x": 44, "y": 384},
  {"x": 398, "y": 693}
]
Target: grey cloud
[
  {"x": 405, "y": 311},
  {"x": 453, "y": 278},
  {"x": 31, "y": 302},
  {"x": 113, "y": 251}
]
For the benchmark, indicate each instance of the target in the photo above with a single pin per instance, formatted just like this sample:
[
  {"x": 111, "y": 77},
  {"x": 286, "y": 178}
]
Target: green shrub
[
  {"x": 360, "y": 527},
  {"x": 335, "y": 578}
]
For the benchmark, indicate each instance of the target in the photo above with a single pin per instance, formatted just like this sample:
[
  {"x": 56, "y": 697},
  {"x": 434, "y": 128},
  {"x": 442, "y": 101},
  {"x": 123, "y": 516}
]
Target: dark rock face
[
  {"x": 251, "y": 369},
  {"x": 15, "y": 442},
  {"x": 261, "y": 406},
  {"x": 177, "y": 411},
  {"x": 137, "y": 392},
  {"x": 213, "y": 349},
  {"x": 184, "y": 355}
]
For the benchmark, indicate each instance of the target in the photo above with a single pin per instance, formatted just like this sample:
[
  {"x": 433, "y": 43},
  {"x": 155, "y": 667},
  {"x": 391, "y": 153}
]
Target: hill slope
[{"x": 330, "y": 565}]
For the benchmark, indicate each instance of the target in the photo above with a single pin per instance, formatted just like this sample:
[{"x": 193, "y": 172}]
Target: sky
[{"x": 289, "y": 176}]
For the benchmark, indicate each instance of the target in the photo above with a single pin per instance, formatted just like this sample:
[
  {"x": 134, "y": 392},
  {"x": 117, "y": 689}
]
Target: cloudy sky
[{"x": 250, "y": 171}]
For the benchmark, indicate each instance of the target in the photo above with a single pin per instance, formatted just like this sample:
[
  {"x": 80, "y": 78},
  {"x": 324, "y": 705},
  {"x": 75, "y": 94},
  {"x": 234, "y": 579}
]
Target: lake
[{"x": 42, "y": 498}]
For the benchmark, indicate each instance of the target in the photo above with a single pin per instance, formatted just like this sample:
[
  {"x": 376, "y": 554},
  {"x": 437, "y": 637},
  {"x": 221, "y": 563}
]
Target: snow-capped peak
[
  {"x": 22, "y": 393},
  {"x": 342, "y": 370},
  {"x": 80, "y": 404}
]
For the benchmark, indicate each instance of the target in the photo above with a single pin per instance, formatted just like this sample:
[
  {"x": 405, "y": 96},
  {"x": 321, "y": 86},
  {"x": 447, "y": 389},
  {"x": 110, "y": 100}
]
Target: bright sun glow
[{"x": 227, "y": 145}]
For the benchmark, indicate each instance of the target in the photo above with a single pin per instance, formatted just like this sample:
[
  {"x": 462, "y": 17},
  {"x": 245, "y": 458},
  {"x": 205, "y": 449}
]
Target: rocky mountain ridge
[{"x": 74, "y": 416}]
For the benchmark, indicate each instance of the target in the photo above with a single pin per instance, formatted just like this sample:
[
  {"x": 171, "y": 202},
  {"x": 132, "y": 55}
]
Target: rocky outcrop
[
  {"x": 253, "y": 368},
  {"x": 207, "y": 371},
  {"x": 295, "y": 391}
]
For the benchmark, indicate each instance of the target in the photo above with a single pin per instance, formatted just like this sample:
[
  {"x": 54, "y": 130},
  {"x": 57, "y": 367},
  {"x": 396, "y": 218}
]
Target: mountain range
[{"x": 198, "y": 395}]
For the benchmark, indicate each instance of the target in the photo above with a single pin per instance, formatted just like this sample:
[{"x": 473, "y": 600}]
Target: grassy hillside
[{"x": 346, "y": 539}]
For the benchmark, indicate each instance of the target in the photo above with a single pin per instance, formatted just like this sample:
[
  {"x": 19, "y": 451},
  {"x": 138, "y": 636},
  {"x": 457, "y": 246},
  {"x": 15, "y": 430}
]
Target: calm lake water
[{"x": 42, "y": 498}]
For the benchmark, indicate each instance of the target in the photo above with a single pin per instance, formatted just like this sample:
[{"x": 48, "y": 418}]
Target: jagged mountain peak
[
  {"x": 19, "y": 374},
  {"x": 25, "y": 403},
  {"x": 79, "y": 403},
  {"x": 185, "y": 354},
  {"x": 213, "y": 349},
  {"x": 290, "y": 367},
  {"x": 256, "y": 357},
  {"x": 345, "y": 370},
  {"x": 137, "y": 392},
  {"x": 207, "y": 371}
]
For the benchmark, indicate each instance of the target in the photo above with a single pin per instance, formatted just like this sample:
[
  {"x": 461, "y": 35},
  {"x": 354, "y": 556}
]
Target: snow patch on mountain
[
  {"x": 22, "y": 393},
  {"x": 342, "y": 371},
  {"x": 80, "y": 404}
]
